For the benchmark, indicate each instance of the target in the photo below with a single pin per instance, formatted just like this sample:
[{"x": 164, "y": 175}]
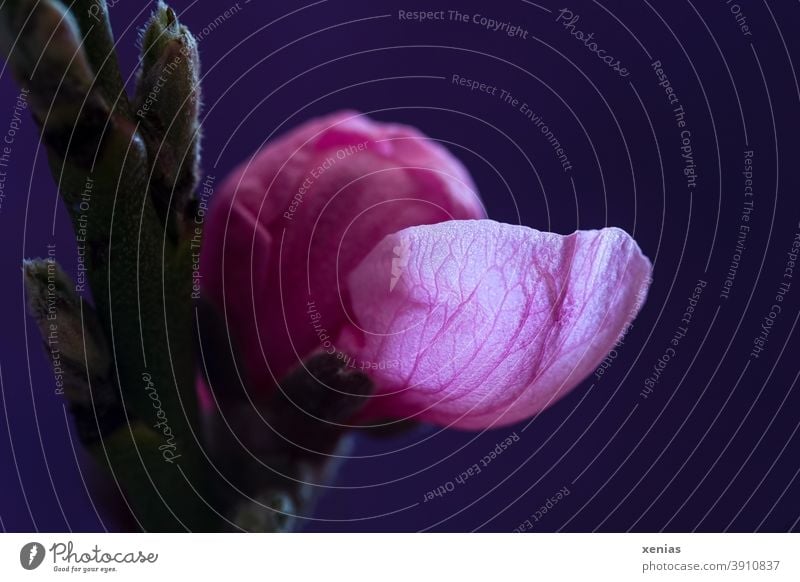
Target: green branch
[
  {"x": 139, "y": 276},
  {"x": 127, "y": 171}
]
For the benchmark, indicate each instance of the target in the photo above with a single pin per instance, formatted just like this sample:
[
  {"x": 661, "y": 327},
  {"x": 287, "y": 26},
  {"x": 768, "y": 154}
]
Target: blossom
[
  {"x": 367, "y": 240},
  {"x": 290, "y": 224}
]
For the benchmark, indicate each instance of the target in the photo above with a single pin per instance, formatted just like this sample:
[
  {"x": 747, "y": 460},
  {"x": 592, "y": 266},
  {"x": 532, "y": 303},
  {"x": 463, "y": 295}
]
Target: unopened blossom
[
  {"x": 290, "y": 224},
  {"x": 368, "y": 241}
]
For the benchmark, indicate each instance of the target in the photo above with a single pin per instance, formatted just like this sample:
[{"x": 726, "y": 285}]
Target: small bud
[
  {"x": 45, "y": 49},
  {"x": 76, "y": 346},
  {"x": 59, "y": 312},
  {"x": 43, "y": 45},
  {"x": 98, "y": 42},
  {"x": 167, "y": 105}
]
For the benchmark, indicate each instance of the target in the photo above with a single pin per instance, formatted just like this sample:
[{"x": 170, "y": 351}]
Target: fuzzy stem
[
  {"x": 98, "y": 42},
  {"x": 140, "y": 281}
]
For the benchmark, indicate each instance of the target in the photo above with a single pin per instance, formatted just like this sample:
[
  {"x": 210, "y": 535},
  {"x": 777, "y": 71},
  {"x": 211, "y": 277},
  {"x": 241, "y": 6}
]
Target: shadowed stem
[
  {"x": 140, "y": 278},
  {"x": 276, "y": 448},
  {"x": 126, "y": 171}
]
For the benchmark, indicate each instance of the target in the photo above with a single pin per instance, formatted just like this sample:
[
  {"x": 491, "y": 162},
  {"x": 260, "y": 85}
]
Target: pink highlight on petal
[{"x": 489, "y": 323}]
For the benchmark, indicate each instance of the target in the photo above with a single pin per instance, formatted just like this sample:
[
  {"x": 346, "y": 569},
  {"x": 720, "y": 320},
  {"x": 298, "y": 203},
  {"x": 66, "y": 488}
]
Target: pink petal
[{"x": 483, "y": 324}]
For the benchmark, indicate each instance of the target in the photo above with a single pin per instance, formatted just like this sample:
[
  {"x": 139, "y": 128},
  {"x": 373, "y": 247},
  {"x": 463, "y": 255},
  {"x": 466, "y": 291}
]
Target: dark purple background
[{"x": 715, "y": 447}]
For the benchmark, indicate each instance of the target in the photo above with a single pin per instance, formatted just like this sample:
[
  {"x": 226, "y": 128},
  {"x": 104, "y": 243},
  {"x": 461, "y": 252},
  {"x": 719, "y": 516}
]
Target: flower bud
[
  {"x": 76, "y": 346},
  {"x": 167, "y": 105},
  {"x": 43, "y": 44}
]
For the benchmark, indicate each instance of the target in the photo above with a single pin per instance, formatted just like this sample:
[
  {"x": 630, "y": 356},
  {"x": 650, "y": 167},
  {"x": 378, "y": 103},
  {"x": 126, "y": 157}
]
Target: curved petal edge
[{"x": 477, "y": 324}]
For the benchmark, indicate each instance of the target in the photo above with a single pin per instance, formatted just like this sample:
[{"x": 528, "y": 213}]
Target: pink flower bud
[
  {"x": 289, "y": 225},
  {"x": 364, "y": 240}
]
